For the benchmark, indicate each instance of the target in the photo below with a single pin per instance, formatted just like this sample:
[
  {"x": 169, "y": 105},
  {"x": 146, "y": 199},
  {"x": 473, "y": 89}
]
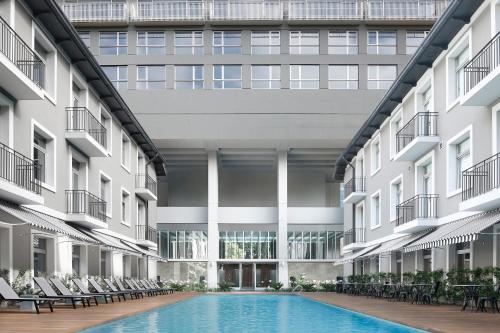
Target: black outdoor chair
[
  {"x": 49, "y": 292},
  {"x": 429, "y": 297},
  {"x": 8, "y": 294}
]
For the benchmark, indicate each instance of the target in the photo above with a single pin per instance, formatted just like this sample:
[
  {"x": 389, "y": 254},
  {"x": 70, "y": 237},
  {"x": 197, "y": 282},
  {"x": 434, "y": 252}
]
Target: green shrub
[
  {"x": 275, "y": 286},
  {"x": 225, "y": 286},
  {"x": 328, "y": 286}
]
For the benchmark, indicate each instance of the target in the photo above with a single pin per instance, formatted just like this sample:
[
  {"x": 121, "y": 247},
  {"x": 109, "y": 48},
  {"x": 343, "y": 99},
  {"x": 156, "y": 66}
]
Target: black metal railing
[
  {"x": 19, "y": 169},
  {"x": 21, "y": 55},
  {"x": 144, "y": 232},
  {"x": 145, "y": 181},
  {"x": 354, "y": 185},
  {"x": 481, "y": 178},
  {"x": 354, "y": 235},
  {"x": 84, "y": 202},
  {"x": 81, "y": 119},
  {"x": 483, "y": 63},
  {"x": 422, "y": 206},
  {"x": 422, "y": 124}
]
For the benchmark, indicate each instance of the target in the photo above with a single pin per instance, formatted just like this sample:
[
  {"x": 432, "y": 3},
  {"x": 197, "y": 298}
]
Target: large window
[
  {"x": 304, "y": 76},
  {"x": 460, "y": 61},
  {"x": 150, "y": 43},
  {"x": 183, "y": 244},
  {"x": 227, "y": 42},
  {"x": 375, "y": 154},
  {"x": 463, "y": 159},
  {"x": 343, "y": 42},
  {"x": 106, "y": 194},
  {"x": 113, "y": 43},
  {"x": 151, "y": 77},
  {"x": 189, "y": 77},
  {"x": 247, "y": 245},
  {"x": 381, "y": 76},
  {"x": 85, "y": 37},
  {"x": 39, "y": 156},
  {"x": 265, "y": 42},
  {"x": 304, "y": 42},
  {"x": 118, "y": 75},
  {"x": 266, "y": 77},
  {"x": 75, "y": 260},
  {"x": 381, "y": 42},
  {"x": 315, "y": 245},
  {"x": 189, "y": 42},
  {"x": 39, "y": 256},
  {"x": 125, "y": 207},
  {"x": 414, "y": 39},
  {"x": 459, "y": 159},
  {"x": 375, "y": 210},
  {"x": 126, "y": 148},
  {"x": 227, "y": 76},
  {"x": 343, "y": 77},
  {"x": 396, "y": 196},
  {"x": 43, "y": 149}
]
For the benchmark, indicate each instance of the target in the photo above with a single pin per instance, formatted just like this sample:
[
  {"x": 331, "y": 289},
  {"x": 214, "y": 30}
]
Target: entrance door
[{"x": 247, "y": 276}]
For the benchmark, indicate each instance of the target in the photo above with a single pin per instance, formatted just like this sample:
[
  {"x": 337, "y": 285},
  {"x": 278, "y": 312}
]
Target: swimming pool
[{"x": 250, "y": 314}]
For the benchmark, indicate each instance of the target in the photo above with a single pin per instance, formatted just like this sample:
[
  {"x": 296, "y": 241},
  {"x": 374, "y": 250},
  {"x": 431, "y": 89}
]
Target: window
[
  {"x": 247, "y": 244},
  {"x": 396, "y": 196},
  {"x": 304, "y": 76},
  {"x": 315, "y": 245},
  {"x": 125, "y": 158},
  {"x": 427, "y": 100},
  {"x": 85, "y": 37},
  {"x": 414, "y": 39},
  {"x": 141, "y": 213},
  {"x": 375, "y": 150},
  {"x": 39, "y": 256},
  {"x": 75, "y": 260},
  {"x": 375, "y": 209},
  {"x": 227, "y": 42},
  {"x": 304, "y": 42},
  {"x": 381, "y": 42},
  {"x": 456, "y": 59},
  {"x": 343, "y": 42},
  {"x": 184, "y": 244},
  {"x": 381, "y": 76},
  {"x": 189, "y": 42},
  {"x": 459, "y": 159},
  {"x": 151, "y": 77},
  {"x": 189, "y": 77},
  {"x": 463, "y": 159},
  {"x": 266, "y": 77},
  {"x": 113, "y": 43},
  {"x": 265, "y": 42},
  {"x": 107, "y": 122},
  {"x": 343, "y": 77},
  {"x": 39, "y": 156},
  {"x": 118, "y": 75},
  {"x": 227, "y": 76},
  {"x": 396, "y": 125},
  {"x": 463, "y": 255},
  {"x": 125, "y": 207},
  {"x": 47, "y": 53},
  {"x": 150, "y": 43},
  {"x": 105, "y": 193},
  {"x": 44, "y": 155},
  {"x": 427, "y": 255},
  {"x": 460, "y": 61}
]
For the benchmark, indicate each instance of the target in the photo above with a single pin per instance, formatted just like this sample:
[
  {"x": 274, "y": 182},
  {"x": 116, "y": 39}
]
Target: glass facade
[
  {"x": 315, "y": 245},
  {"x": 247, "y": 245},
  {"x": 183, "y": 244}
]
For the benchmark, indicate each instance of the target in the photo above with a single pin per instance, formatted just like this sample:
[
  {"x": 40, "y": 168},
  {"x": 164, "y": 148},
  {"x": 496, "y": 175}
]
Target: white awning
[
  {"x": 353, "y": 256},
  {"x": 143, "y": 251},
  {"x": 395, "y": 244},
  {"x": 108, "y": 242},
  {"x": 463, "y": 230}
]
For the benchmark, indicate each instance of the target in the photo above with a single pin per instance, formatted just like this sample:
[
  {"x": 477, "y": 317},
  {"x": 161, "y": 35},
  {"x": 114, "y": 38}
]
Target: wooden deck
[
  {"x": 66, "y": 319},
  {"x": 433, "y": 318}
]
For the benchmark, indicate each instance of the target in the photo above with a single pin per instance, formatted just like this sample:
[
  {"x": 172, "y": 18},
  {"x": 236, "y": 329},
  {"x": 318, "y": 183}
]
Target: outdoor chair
[
  {"x": 113, "y": 288},
  {"x": 97, "y": 287},
  {"x": 491, "y": 299},
  {"x": 132, "y": 285},
  {"x": 83, "y": 288},
  {"x": 168, "y": 290},
  {"x": 122, "y": 288},
  {"x": 65, "y": 291},
  {"x": 8, "y": 294},
  {"x": 49, "y": 292},
  {"x": 429, "y": 297}
]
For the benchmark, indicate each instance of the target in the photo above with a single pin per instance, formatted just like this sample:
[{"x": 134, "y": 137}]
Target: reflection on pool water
[{"x": 250, "y": 313}]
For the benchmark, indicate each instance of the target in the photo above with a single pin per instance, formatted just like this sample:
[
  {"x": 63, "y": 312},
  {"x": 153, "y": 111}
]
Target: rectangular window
[
  {"x": 343, "y": 77},
  {"x": 265, "y": 42},
  {"x": 125, "y": 207},
  {"x": 463, "y": 160},
  {"x": 125, "y": 158},
  {"x": 304, "y": 76},
  {"x": 414, "y": 39},
  {"x": 151, "y": 77},
  {"x": 375, "y": 155},
  {"x": 266, "y": 77},
  {"x": 343, "y": 42},
  {"x": 227, "y": 76},
  {"x": 304, "y": 42},
  {"x": 396, "y": 197},
  {"x": 113, "y": 43},
  {"x": 460, "y": 61},
  {"x": 381, "y": 42},
  {"x": 149, "y": 43},
  {"x": 381, "y": 76},
  {"x": 39, "y": 156},
  {"x": 189, "y": 42},
  {"x": 189, "y": 77},
  {"x": 118, "y": 75},
  {"x": 375, "y": 216},
  {"x": 227, "y": 42},
  {"x": 85, "y": 37},
  {"x": 105, "y": 184},
  {"x": 39, "y": 256}
]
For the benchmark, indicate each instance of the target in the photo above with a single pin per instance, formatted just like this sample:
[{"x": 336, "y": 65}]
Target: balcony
[
  {"x": 481, "y": 185},
  {"x": 146, "y": 236},
  {"x": 247, "y": 10},
  {"x": 417, "y": 213},
  {"x": 429, "y": 10},
  {"x": 170, "y": 11},
  {"x": 86, "y": 209},
  {"x": 22, "y": 72},
  {"x": 417, "y": 137},
  {"x": 354, "y": 190},
  {"x": 18, "y": 183},
  {"x": 354, "y": 239},
  {"x": 482, "y": 75},
  {"x": 321, "y": 10},
  {"x": 86, "y": 132},
  {"x": 145, "y": 187},
  {"x": 82, "y": 12}
]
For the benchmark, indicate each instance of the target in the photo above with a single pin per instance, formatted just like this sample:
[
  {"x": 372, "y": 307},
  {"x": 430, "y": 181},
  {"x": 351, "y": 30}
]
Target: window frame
[
  {"x": 146, "y": 47},
  {"x": 270, "y": 47},
  {"x": 146, "y": 81},
  {"x": 126, "y": 164},
  {"x": 223, "y": 44},
  {"x": 117, "y": 46},
  {"x": 347, "y": 45},
  {"x": 223, "y": 79},
  {"x": 299, "y": 34},
  {"x": 50, "y": 167},
  {"x": 376, "y": 195},
  {"x": 374, "y": 168},
  {"x": 414, "y": 47},
  {"x": 451, "y": 80},
  {"x": 87, "y": 33},
  {"x": 193, "y": 77},
  {"x": 127, "y": 221},
  {"x": 377, "y": 80},
  {"x": 392, "y": 199},
  {"x": 119, "y": 81},
  {"x": 377, "y": 46},
  {"x": 300, "y": 80},
  {"x": 269, "y": 79},
  {"x": 193, "y": 46},
  {"x": 109, "y": 203},
  {"x": 452, "y": 186},
  {"x": 348, "y": 81}
]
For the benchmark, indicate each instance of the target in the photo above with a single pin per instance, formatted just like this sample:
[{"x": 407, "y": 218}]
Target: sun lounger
[
  {"x": 49, "y": 292},
  {"x": 65, "y": 291},
  {"x": 83, "y": 288},
  {"x": 8, "y": 294}
]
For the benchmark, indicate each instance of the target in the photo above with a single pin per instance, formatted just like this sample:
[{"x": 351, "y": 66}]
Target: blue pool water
[{"x": 250, "y": 314}]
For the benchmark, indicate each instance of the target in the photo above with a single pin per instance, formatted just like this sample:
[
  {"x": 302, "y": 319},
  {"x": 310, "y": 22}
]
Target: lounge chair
[
  {"x": 83, "y": 288},
  {"x": 8, "y": 294},
  {"x": 122, "y": 288},
  {"x": 114, "y": 289},
  {"x": 133, "y": 286},
  {"x": 65, "y": 291},
  {"x": 167, "y": 290},
  {"x": 148, "y": 285},
  {"x": 141, "y": 284},
  {"x": 99, "y": 290},
  {"x": 49, "y": 292}
]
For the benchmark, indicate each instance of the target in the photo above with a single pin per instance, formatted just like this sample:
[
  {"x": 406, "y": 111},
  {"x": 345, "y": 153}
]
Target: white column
[
  {"x": 64, "y": 255},
  {"x": 213, "y": 212},
  {"x": 283, "y": 217},
  {"x": 117, "y": 264}
]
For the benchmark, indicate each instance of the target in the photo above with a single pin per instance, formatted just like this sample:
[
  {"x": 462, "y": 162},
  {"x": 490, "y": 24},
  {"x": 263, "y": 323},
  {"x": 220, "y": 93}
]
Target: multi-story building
[
  {"x": 421, "y": 175},
  {"x": 251, "y": 103},
  {"x": 77, "y": 170}
]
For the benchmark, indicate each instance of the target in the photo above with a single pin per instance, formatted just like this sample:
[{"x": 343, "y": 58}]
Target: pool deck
[
  {"x": 66, "y": 319},
  {"x": 433, "y": 318}
]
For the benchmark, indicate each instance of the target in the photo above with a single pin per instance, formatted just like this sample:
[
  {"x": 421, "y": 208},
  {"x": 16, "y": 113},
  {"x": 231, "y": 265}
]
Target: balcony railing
[
  {"x": 325, "y": 9},
  {"x": 21, "y": 55},
  {"x": 405, "y": 9},
  {"x": 80, "y": 119},
  {"x": 146, "y": 233},
  {"x": 483, "y": 63},
  {"x": 481, "y": 178},
  {"x": 422, "y": 124},
  {"x": 145, "y": 181},
  {"x": 354, "y": 235},
  {"x": 96, "y": 11},
  {"x": 422, "y": 206},
  {"x": 170, "y": 11},
  {"x": 247, "y": 10},
  {"x": 85, "y": 203},
  {"x": 354, "y": 185},
  {"x": 19, "y": 169}
]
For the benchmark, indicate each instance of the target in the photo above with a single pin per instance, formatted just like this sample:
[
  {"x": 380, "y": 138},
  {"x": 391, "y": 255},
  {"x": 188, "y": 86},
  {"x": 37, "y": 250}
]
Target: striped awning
[
  {"x": 356, "y": 255},
  {"x": 395, "y": 244},
  {"x": 109, "y": 242},
  {"x": 463, "y": 230},
  {"x": 143, "y": 251}
]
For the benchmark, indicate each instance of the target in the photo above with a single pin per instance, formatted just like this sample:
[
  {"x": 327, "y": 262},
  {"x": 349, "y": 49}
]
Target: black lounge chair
[
  {"x": 132, "y": 285},
  {"x": 142, "y": 284},
  {"x": 168, "y": 290},
  {"x": 49, "y": 292},
  {"x": 8, "y": 294},
  {"x": 99, "y": 290},
  {"x": 66, "y": 292},
  {"x": 122, "y": 288},
  {"x": 114, "y": 289},
  {"x": 84, "y": 290}
]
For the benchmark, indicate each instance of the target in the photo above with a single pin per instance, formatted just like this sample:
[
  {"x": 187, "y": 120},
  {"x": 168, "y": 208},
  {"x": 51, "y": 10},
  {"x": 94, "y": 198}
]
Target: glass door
[{"x": 247, "y": 275}]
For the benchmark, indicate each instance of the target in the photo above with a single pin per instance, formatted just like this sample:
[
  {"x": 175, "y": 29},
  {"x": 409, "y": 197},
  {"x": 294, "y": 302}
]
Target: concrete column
[
  {"x": 152, "y": 269},
  {"x": 282, "y": 217},
  {"x": 117, "y": 265},
  {"x": 213, "y": 212},
  {"x": 419, "y": 260},
  {"x": 438, "y": 258},
  {"x": 384, "y": 263},
  {"x": 64, "y": 256}
]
